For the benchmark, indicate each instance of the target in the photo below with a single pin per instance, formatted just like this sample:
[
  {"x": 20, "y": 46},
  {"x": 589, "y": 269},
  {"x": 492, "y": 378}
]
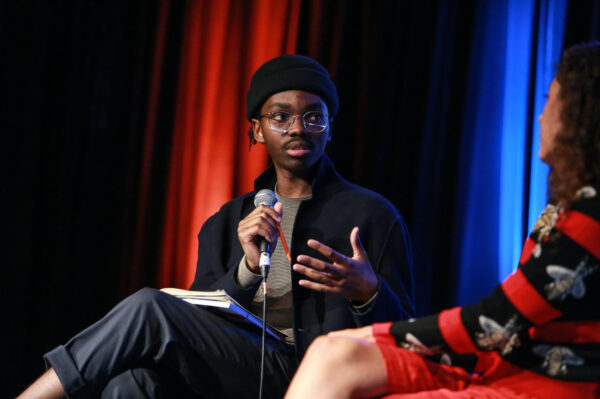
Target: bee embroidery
[
  {"x": 413, "y": 344},
  {"x": 556, "y": 359},
  {"x": 545, "y": 222},
  {"x": 445, "y": 359},
  {"x": 586, "y": 192},
  {"x": 496, "y": 336},
  {"x": 537, "y": 251},
  {"x": 567, "y": 281}
]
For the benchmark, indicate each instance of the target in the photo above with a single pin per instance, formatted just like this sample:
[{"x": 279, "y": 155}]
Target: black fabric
[
  {"x": 290, "y": 72},
  {"x": 172, "y": 347},
  {"x": 165, "y": 339},
  {"x": 335, "y": 208},
  {"x": 143, "y": 382},
  {"x": 532, "y": 331}
]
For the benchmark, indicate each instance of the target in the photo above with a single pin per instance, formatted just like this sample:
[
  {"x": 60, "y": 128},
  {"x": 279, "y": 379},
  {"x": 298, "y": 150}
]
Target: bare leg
[
  {"x": 339, "y": 367},
  {"x": 46, "y": 387}
]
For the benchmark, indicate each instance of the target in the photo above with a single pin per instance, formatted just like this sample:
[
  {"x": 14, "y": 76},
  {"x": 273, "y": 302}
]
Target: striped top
[
  {"x": 545, "y": 317},
  {"x": 279, "y": 281}
]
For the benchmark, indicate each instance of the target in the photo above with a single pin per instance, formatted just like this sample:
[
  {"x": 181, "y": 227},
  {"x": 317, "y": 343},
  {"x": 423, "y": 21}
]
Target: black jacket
[{"x": 335, "y": 208}]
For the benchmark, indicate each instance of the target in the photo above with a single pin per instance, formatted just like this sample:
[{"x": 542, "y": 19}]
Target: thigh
[
  {"x": 222, "y": 358},
  {"x": 152, "y": 329},
  {"x": 144, "y": 383},
  {"x": 410, "y": 376},
  {"x": 214, "y": 354},
  {"x": 409, "y": 372},
  {"x": 472, "y": 391}
]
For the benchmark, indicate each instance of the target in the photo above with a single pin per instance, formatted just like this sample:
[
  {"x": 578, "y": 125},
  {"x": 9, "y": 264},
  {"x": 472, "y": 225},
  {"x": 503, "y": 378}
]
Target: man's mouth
[{"x": 297, "y": 149}]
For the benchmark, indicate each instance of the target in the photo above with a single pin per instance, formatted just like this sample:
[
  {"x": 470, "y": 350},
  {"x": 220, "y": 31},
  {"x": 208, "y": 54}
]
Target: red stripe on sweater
[
  {"x": 576, "y": 332},
  {"x": 582, "y": 229},
  {"x": 528, "y": 248},
  {"x": 527, "y": 300},
  {"x": 381, "y": 333},
  {"x": 454, "y": 332}
]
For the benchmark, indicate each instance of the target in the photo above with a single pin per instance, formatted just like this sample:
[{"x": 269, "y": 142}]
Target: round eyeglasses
[{"x": 282, "y": 122}]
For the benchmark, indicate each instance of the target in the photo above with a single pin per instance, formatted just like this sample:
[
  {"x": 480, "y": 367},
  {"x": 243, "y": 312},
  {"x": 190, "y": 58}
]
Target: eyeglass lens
[{"x": 313, "y": 121}]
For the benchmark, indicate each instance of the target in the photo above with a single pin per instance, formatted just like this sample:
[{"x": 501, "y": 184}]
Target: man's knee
[{"x": 145, "y": 297}]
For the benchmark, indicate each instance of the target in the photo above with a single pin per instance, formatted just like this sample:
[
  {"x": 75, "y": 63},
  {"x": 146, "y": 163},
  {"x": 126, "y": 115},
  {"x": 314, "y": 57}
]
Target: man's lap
[{"x": 153, "y": 329}]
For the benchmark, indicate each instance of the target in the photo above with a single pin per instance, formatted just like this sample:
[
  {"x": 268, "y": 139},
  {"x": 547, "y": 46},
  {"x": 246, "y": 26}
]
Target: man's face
[
  {"x": 550, "y": 123},
  {"x": 297, "y": 149}
]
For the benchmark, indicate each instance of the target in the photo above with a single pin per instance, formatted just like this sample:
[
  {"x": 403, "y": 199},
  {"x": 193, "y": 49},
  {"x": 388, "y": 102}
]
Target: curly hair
[{"x": 576, "y": 154}]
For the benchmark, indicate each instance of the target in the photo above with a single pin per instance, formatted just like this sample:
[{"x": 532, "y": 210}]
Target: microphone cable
[
  {"x": 264, "y": 310},
  {"x": 264, "y": 330},
  {"x": 268, "y": 198}
]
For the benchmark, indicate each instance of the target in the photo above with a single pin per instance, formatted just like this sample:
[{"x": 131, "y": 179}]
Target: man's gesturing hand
[
  {"x": 262, "y": 221},
  {"x": 353, "y": 278}
]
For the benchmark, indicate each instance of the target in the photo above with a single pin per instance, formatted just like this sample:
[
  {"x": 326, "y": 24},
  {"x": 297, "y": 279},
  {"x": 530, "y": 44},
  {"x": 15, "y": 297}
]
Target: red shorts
[{"x": 411, "y": 376}]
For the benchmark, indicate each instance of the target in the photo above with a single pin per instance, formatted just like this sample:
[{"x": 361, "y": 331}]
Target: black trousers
[{"x": 155, "y": 345}]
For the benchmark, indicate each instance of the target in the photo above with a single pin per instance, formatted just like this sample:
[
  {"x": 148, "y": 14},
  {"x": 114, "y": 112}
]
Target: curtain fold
[
  {"x": 124, "y": 129},
  {"x": 223, "y": 43},
  {"x": 502, "y": 184}
]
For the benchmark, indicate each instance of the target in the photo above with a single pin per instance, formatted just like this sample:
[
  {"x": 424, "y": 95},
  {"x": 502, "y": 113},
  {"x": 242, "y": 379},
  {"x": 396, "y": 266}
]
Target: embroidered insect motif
[
  {"x": 445, "y": 359},
  {"x": 556, "y": 359},
  {"x": 495, "y": 336},
  {"x": 586, "y": 192},
  {"x": 567, "y": 281},
  {"x": 545, "y": 222},
  {"x": 413, "y": 344},
  {"x": 537, "y": 251}
]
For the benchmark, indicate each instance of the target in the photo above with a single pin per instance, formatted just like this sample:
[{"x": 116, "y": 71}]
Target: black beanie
[{"x": 290, "y": 72}]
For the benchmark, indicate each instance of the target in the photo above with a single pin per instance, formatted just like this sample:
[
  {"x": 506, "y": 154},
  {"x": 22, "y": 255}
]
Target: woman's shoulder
[{"x": 588, "y": 202}]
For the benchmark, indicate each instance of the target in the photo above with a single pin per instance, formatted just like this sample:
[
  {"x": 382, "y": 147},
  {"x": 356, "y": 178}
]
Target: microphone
[{"x": 265, "y": 197}]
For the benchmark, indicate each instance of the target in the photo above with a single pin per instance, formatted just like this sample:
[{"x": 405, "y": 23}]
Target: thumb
[
  {"x": 278, "y": 207},
  {"x": 357, "y": 247}
]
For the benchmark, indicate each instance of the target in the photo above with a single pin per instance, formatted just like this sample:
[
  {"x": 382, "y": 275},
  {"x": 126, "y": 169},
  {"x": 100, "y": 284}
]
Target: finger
[
  {"x": 311, "y": 285},
  {"x": 265, "y": 210},
  {"x": 319, "y": 276},
  {"x": 268, "y": 234},
  {"x": 260, "y": 218},
  {"x": 357, "y": 247},
  {"x": 251, "y": 225},
  {"x": 278, "y": 207},
  {"x": 328, "y": 252},
  {"x": 319, "y": 265},
  {"x": 248, "y": 234}
]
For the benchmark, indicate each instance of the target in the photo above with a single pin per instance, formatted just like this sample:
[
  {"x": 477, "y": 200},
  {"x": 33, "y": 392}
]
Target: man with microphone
[{"x": 155, "y": 345}]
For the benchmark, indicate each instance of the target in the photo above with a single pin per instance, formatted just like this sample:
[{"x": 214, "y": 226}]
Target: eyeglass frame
[{"x": 293, "y": 119}]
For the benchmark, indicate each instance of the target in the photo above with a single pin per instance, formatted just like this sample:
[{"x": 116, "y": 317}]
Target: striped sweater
[{"x": 545, "y": 317}]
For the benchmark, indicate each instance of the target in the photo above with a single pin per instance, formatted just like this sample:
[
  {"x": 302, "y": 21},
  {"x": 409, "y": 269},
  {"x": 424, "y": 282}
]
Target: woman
[{"x": 538, "y": 334}]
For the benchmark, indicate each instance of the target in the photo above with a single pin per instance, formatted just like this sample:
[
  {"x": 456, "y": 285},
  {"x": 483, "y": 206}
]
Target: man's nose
[{"x": 297, "y": 124}]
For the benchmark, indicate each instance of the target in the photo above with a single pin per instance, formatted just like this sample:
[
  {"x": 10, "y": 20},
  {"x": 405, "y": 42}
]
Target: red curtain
[{"x": 224, "y": 42}]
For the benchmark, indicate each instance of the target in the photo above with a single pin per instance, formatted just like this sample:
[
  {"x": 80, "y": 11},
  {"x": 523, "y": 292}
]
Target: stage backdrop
[
  {"x": 425, "y": 104},
  {"x": 123, "y": 130}
]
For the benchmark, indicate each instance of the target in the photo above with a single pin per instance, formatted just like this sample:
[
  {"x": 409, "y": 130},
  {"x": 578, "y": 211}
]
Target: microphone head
[{"x": 265, "y": 197}]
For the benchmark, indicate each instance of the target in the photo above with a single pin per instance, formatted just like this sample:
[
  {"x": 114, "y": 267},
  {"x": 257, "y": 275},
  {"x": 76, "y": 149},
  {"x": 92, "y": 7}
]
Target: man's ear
[
  {"x": 257, "y": 129},
  {"x": 330, "y": 130}
]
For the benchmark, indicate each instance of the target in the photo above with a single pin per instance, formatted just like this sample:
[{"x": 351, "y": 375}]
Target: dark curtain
[
  {"x": 83, "y": 147},
  {"x": 404, "y": 71},
  {"x": 401, "y": 70},
  {"x": 87, "y": 102}
]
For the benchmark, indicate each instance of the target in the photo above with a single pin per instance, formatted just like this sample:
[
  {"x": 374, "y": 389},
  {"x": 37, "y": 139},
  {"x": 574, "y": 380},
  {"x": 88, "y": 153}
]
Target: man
[{"x": 156, "y": 345}]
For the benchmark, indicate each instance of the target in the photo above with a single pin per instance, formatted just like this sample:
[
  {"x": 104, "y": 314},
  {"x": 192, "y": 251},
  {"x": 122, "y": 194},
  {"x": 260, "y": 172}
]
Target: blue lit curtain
[{"x": 502, "y": 184}]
